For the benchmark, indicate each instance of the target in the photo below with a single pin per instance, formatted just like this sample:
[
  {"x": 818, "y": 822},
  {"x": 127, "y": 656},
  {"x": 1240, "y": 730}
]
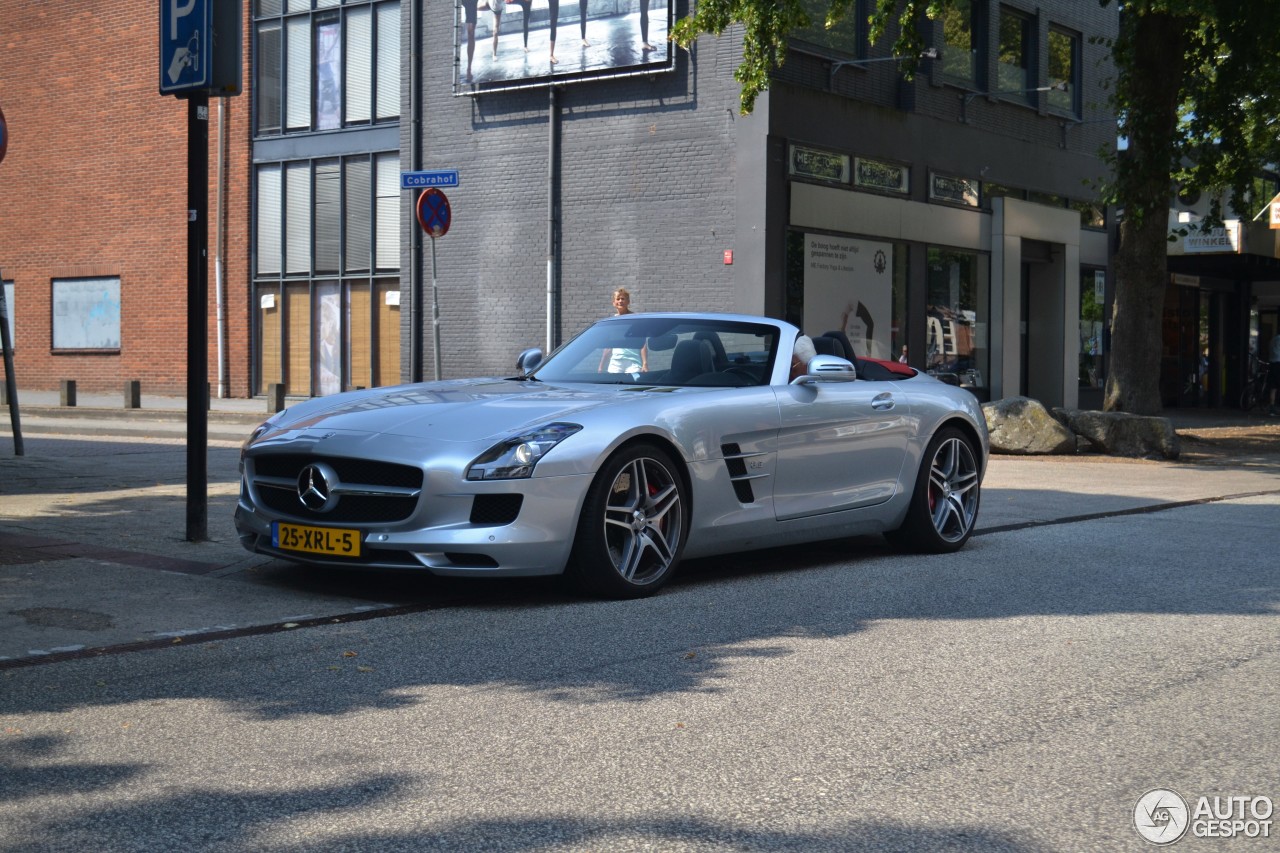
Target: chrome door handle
[{"x": 883, "y": 402}]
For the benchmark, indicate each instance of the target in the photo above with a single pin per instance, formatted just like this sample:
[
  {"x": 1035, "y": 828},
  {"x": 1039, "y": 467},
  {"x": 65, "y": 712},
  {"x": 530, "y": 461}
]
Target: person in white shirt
[{"x": 620, "y": 360}]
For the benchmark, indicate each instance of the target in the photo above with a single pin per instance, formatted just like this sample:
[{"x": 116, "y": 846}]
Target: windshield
[{"x": 658, "y": 351}]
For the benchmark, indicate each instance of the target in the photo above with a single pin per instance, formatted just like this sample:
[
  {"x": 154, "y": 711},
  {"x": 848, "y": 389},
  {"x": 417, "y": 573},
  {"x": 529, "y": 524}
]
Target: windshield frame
[{"x": 640, "y": 350}]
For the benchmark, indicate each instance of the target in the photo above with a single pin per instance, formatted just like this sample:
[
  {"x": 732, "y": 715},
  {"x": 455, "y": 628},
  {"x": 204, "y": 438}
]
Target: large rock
[
  {"x": 1022, "y": 426},
  {"x": 1123, "y": 434}
]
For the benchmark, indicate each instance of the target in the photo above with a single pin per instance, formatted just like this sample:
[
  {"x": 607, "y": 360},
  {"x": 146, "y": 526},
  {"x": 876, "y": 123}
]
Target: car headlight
[{"x": 514, "y": 458}]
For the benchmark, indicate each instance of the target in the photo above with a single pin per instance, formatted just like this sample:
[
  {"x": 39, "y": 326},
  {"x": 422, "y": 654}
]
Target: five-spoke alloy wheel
[
  {"x": 944, "y": 504},
  {"x": 633, "y": 525}
]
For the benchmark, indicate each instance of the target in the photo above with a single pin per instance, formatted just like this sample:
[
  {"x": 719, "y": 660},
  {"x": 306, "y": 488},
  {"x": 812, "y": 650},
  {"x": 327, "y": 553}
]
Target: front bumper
[{"x": 441, "y": 537}]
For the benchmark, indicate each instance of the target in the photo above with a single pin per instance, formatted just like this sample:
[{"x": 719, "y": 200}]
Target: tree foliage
[{"x": 1196, "y": 95}]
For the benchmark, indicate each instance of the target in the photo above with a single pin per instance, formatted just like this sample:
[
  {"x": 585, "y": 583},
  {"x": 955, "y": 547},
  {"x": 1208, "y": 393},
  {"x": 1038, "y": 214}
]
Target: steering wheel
[{"x": 751, "y": 374}]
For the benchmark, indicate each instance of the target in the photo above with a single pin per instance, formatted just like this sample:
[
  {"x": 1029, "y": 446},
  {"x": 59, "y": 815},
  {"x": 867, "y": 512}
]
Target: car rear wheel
[
  {"x": 633, "y": 525},
  {"x": 944, "y": 504}
]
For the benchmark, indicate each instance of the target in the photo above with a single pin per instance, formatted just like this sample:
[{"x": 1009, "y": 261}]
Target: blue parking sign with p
[
  {"x": 184, "y": 40},
  {"x": 199, "y": 46}
]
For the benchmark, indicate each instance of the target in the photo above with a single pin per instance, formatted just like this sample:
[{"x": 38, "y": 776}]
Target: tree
[{"x": 1197, "y": 98}]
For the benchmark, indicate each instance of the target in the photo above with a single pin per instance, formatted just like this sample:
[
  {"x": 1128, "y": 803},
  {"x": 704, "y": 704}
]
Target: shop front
[{"x": 989, "y": 299}]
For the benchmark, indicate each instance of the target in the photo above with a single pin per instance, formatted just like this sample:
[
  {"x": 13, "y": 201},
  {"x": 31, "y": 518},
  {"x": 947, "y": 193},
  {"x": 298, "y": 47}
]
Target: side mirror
[
  {"x": 528, "y": 361},
  {"x": 828, "y": 368}
]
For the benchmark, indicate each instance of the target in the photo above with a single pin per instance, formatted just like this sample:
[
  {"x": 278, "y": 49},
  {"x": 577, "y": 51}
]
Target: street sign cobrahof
[{"x": 430, "y": 178}]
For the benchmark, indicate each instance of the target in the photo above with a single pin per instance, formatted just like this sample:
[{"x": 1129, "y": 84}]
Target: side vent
[{"x": 735, "y": 461}]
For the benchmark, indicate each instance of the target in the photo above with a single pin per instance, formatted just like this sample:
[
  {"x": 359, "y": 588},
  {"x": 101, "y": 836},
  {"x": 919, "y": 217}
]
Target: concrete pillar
[
  {"x": 68, "y": 392},
  {"x": 275, "y": 397}
]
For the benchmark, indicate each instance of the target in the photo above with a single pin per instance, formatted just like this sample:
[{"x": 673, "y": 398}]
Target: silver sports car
[{"x": 644, "y": 439}]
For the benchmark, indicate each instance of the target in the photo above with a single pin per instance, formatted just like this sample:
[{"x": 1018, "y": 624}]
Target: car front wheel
[
  {"x": 944, "y": 504},
  {"x": 633, "y": 525}
]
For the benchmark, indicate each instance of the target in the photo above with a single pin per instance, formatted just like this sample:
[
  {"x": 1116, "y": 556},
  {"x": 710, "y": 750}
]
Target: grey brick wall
[
  {"x": 647, "y": 171},
  {"x": 659, "y": 175}
]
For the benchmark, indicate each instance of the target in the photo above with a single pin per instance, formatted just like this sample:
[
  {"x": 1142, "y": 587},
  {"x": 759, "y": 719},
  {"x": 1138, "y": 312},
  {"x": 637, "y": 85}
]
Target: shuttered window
[
  {"x": 268, "y": 68},
  {"x": 298, "y": 74},
  {"x": 328, "y": 216},
  {"x": 320, "y": 332},
  {"x": 387, "y": 214},
  {"x": 269, "y": 220},
  {"x": 297, "y": 218},
  {"x": 388, "y": 60},
  {"x": 386, "y": 306},
  {"x": 327, "y": 67},
  {"x": 359, "y": 207},
  {"x": 359, "y": 65}
]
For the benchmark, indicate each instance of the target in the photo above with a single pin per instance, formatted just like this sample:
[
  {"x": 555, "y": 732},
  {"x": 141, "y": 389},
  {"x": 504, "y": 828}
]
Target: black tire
[
  {"x": 633, "y": 526},
  {"x": 944, "y": 502}
]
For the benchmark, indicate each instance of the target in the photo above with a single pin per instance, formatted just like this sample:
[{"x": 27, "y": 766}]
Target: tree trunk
[{"x": 1150, "y": 83}]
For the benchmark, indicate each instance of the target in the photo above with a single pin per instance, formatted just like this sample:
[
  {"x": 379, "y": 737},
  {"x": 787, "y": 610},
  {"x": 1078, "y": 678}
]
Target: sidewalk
[
  {"x": 42, "y": 412},
  {"x": 93, "y": 526}
]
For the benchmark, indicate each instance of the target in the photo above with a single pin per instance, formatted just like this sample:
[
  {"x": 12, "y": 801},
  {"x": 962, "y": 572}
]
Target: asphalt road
[{"x": 1022, "y": 695}]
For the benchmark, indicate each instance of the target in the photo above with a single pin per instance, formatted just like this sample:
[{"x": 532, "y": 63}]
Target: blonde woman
[{"x": 623, "y": 360}]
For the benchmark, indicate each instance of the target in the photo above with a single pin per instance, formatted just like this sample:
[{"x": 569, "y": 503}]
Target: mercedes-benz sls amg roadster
[{"x": 645, "y": 439}]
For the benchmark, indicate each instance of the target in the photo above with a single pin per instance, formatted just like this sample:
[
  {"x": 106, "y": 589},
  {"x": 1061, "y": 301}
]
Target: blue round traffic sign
[
  {"x": 434, "y": 214},
  {"x": 4, "y": 135}
]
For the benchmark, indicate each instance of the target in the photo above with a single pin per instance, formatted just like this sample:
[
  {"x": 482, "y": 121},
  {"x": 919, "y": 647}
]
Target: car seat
[{"x": 691, "y": 358}]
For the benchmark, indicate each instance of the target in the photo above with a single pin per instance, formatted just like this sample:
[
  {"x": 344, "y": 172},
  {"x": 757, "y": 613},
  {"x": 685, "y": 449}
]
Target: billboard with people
[{"x": 501, "y": 44}]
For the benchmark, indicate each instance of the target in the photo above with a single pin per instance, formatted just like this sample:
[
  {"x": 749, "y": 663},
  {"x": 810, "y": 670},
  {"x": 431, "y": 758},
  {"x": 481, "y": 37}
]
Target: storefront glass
[
  {"x": 852, "y": 285},
  {"x": 957, "y": 332},
  {"x": 1092, "y": 300}
]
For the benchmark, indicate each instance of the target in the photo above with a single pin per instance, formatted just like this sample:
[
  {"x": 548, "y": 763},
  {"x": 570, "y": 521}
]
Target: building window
[
  {"x": 1047, "y": 199},
  {"x": 960, "y": 43},
  {"x": 1064, "y": 68},
  {"x": 848, "y": 284},
  {"x": 992, "y": 190},
  {"x": 1092, "y": 301},
  {"x": 326, "y": 69},
  {"x": 958, "y": 316},
  {"x": 86, "y": 313},
  {"x": 1092, "y": 214},
  {"x": 326, "y": 280},
  {"x": 847, "y": 38},
  {"x": 1013, "y": 61}
]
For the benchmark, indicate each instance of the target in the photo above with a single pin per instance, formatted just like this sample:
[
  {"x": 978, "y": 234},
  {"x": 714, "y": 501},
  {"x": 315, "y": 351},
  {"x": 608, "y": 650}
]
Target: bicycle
[{"x": 1255, "y": 387}]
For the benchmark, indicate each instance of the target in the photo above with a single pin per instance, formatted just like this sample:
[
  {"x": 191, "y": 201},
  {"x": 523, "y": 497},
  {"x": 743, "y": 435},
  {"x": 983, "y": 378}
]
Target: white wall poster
[{"x": 848, "y": 285}]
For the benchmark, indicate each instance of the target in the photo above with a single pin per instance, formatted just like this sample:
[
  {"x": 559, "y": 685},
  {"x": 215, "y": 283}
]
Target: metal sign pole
[
  {"x": 10, "y": 383},
  {"x": 435, "y": 309},
  {"x": 197, "y": 317}
]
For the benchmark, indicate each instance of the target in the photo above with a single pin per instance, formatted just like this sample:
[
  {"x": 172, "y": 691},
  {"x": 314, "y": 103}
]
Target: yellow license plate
[{"x": 333, "y": 541}]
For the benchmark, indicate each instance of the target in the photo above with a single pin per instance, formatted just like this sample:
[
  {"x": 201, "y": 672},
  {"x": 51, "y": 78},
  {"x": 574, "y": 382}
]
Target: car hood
[{"x": 462, "y": 410}]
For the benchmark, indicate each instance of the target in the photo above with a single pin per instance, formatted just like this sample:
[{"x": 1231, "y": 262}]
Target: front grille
[
  {"x": 365, "y": 471},
  {"x": 276, "y": 475},
  {"x": 351, "y": 509}
]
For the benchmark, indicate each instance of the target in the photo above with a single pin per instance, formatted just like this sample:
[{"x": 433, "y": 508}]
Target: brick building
[
  {"x": 951, "y": 215},
  {"x": 93, "y": 205}
]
